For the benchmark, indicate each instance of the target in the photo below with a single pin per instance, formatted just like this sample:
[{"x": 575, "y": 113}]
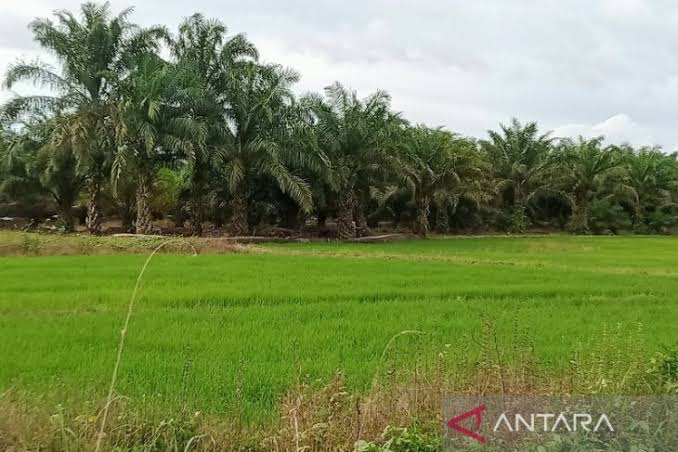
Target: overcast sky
[{"x": 592, "y": 67}]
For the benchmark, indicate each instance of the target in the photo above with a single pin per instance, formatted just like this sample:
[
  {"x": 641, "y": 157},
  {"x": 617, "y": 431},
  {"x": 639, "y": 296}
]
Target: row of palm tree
[{"x": 194, "y": 125}]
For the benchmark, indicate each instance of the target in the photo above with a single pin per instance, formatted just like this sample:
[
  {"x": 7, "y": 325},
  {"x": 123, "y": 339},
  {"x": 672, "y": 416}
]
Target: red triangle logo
[{"x": 477, "y": 413}]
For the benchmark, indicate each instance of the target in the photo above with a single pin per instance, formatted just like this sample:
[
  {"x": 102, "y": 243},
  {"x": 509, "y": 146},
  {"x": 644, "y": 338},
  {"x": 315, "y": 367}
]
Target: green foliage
[
  {"x": 582, "y": 169},
  {"x": 166, "y": 190},
  {"x": 354, "y": 141},
  {"x": 441, "y": 169},
  {"x": 563, "y": 290},
  {"x": 557, "y": 314},
  {"x": 36, "y": 168},
  {"x": 402, "y": 440},
  {"x": 519, "y": 155},
  {"x": 208, "y": 61},
  {"x": 251, "y": 151},
  {"x": 254, "y": 144},
  {"x": 652, "y": 183},
  {"x": 94, "y": 51},
  {"x": 664, "y": 367},
  {"x": 607, "y": 216}
]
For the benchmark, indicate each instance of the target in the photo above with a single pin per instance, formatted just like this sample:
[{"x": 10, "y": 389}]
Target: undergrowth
[{"x": 400, "y": 411}]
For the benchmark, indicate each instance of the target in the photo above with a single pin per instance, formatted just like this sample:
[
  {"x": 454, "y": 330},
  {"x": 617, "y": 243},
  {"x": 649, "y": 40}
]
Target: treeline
[{"x": 144, "y": 123}]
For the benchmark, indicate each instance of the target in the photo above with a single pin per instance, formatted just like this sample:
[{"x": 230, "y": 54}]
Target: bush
[
  {"x": 660, "y": 221},
  {"x": 608, "y": 217}
]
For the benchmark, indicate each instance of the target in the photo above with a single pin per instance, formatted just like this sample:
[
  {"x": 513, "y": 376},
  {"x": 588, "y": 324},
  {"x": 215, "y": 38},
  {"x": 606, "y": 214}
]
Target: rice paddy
[{"x": 230, "y": 334}]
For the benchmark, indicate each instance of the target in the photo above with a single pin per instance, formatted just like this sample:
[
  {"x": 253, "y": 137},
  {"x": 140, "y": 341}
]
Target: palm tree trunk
[
  {"x": 421, "y": 216},
  {"x": 63, "y": 207},
  {"x": 519, "y": 218},
  {"x": 126, "y": 210},
  {"x": 518, "y": 223},
  {"x": 580, "y": 216},
  {"x": 196, "y": 224},
  {"x": 239, "y": 222},
  {"x": 197, "y": 213},
  {"x": 361, "y": 227},
  {"x": 345, "y": 211},
  {"x": 93, "y": 221},
  {"x": 144, "y": 217},
  {"x": 442, "y": 220},
  {"x": 198, "y": 199},
  {"x": 638, "y": 218}
]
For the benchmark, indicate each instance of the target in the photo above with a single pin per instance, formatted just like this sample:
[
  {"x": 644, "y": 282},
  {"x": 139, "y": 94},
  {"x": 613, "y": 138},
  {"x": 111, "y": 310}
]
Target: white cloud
[
  {"x": 627, "y": 9},
  {"x": 26, "y": 8},
  {"x": 617, "y": 129}
]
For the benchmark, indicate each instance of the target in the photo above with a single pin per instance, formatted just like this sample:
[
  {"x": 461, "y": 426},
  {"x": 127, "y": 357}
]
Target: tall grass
[
  {"x": 123, "y": 335},
  {"x": 400, "y": 411}
]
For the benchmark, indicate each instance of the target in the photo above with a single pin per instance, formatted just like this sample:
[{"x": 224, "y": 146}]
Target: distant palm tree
[
  {"x": 581, "y": 169},
  {"x": 92, "y": 51},
  {"x": 150, "y": 129},
  {"x": 32, "y": 163},
  {"x": 254, "y": 141},
  {"x": 519, "y": 154},
  {"x": 18, "y": 154},
  {"x": 440, "y": 167},
  {"x": 652, "y": 181},
  {"x": 352, "y": 137},
  {"x": 211, "y": 62}
]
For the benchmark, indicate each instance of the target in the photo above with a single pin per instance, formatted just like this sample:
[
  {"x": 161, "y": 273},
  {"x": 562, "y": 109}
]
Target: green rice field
[{"x": 226, "y": 333}]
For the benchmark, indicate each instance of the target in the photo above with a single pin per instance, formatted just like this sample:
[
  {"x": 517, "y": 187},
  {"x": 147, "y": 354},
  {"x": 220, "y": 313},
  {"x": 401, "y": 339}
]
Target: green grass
[{"x": 232, "y": 332}]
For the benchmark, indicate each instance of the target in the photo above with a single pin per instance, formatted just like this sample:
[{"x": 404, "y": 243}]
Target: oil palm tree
[
  {"x": 204, "y": 45},
  {"x": 211, "y": 60},
  {"x": 582, "y": 169},
  {"x": 519, "y": 154},
  {"x": 150, "y": 129},
  {"x": 652, "y": 181},
  {"x": 19, "y": 181},
  {"x": 352, "y": 137},
  {"x": 33, "y": 163},
  {"x": 92, "y": 50},
  {"x": 440, "y": 167},
  {"x": 255, "y": 142}
]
